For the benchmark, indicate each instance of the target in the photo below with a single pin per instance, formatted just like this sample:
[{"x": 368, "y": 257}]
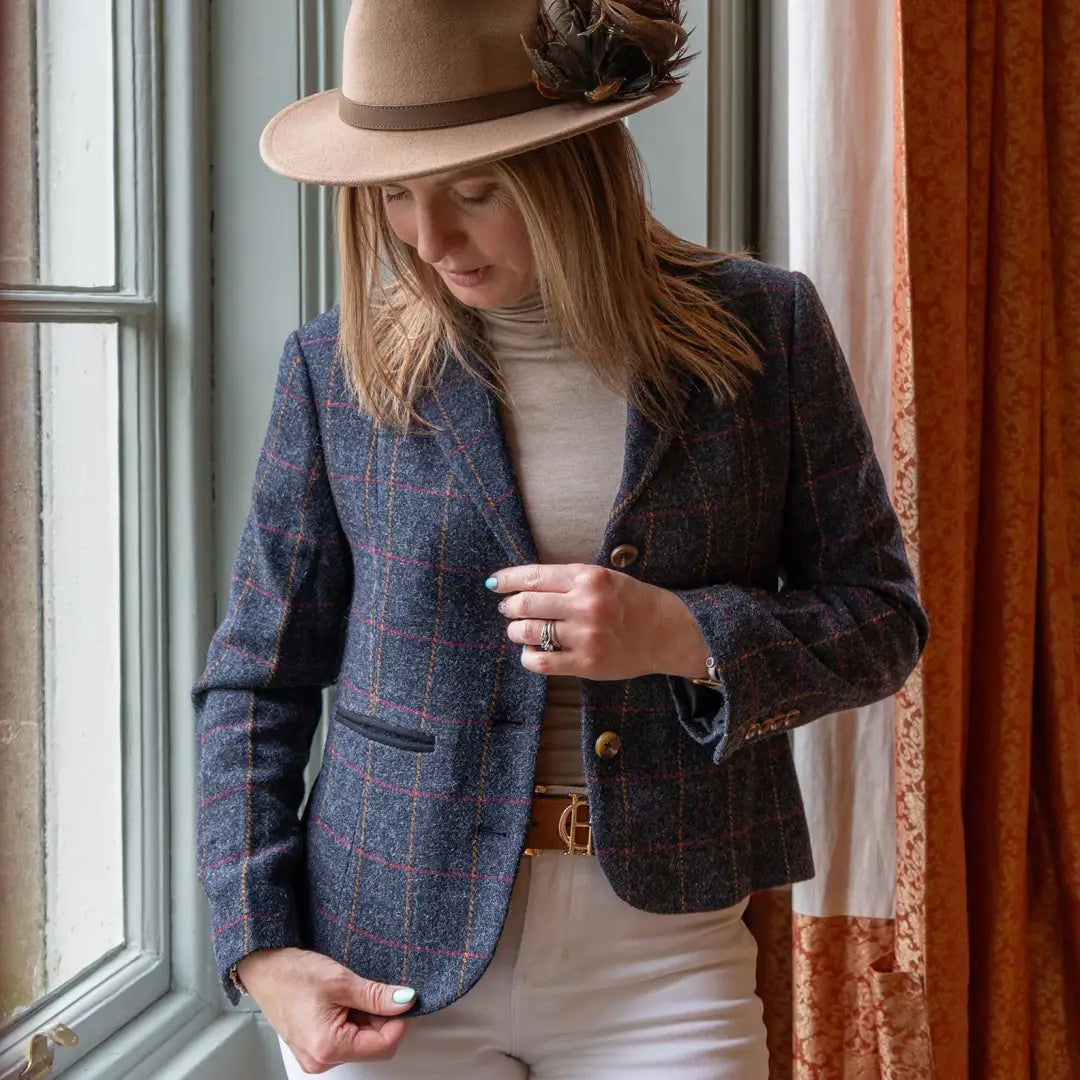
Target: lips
[{"x": 467, "y": 278}]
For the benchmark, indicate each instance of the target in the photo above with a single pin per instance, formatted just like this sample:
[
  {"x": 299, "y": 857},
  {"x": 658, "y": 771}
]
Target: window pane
[
  {"x": 61, "y": 837},
  {"x": 58, "y": 228}
]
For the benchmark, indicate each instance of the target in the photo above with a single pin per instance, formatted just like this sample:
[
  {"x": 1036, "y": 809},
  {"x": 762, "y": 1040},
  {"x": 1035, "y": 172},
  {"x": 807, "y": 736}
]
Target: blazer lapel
[
  {"x": 467, "y": 428},
  {"x": 645, "y": 446}
]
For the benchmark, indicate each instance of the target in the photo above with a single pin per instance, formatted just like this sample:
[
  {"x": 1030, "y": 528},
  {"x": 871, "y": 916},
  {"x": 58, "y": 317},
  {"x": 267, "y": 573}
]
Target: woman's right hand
[{"x": 326, "y": 1013}]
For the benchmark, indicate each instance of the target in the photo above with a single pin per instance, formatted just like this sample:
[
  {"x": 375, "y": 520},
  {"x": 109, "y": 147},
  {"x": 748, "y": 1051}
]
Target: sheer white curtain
[{"x": 832, "y": 124}]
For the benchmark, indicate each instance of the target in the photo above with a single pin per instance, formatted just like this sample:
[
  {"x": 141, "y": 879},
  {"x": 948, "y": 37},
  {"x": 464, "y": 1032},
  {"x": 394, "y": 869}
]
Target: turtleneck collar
[
  {"x": 529, "y": 309},
  {"x": 519, "y": 330}
]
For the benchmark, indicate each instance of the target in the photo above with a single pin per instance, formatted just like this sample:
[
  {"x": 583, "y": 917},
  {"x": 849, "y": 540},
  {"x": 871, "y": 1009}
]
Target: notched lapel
[
  {"x": 645, "y": 446},
  {"x": 464, "y": 414},
  {"x": 468, "y": 429}
]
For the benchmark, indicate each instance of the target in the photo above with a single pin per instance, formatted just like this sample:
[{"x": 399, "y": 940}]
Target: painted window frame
[
  {"x": 125, "y": 982},
  {"x": 160, "y": 989}
]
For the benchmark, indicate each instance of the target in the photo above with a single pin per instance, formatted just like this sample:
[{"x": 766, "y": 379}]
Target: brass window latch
[{"x": 39, "y": 1054}]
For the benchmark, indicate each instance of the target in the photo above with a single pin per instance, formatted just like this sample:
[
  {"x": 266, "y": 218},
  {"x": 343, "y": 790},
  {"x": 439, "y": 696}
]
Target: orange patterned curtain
[
  {"x": 979, "y": 974},
  {"x": 988, "y": 904}
]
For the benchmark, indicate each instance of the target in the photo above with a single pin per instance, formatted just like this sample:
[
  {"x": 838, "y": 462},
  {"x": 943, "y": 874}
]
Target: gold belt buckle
[{"x": 570, "y": 825}]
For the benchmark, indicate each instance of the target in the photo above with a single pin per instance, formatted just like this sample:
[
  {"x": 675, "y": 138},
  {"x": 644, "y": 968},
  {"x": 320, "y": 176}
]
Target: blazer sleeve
[
  {"x": 845, "y": 629},
  {"x": 258, "y": 700}
]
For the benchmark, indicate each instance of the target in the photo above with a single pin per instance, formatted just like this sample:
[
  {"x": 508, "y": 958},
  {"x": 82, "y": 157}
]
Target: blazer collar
[{"x": 467, "y": 428}]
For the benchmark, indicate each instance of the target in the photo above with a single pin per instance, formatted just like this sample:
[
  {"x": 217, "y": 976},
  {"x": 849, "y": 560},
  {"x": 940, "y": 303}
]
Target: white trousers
[{"x": 585, "y": 987}]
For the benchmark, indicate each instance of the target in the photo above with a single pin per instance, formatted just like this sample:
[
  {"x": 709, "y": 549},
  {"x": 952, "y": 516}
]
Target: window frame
[{"x": 160, "y": 988}]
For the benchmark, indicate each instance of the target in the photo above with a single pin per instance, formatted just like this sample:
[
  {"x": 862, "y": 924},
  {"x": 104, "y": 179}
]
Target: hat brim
[{"x": 307, "y": 141}]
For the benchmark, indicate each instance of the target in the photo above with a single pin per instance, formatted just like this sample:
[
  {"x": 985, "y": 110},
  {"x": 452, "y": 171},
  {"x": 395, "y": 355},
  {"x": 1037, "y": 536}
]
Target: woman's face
[{"x": 466, "y": 225}]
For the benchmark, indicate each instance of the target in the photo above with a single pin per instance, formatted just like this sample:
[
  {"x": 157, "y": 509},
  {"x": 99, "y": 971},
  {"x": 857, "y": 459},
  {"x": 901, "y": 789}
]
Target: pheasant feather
[{"x": 606, "y": 50}]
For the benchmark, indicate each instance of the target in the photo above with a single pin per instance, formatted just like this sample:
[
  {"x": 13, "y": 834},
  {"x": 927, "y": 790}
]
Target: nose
[{"x": 436, "y": 233}]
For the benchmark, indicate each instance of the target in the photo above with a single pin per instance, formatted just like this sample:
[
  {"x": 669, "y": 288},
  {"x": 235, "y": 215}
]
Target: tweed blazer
[{"x": 362, "y": 567}]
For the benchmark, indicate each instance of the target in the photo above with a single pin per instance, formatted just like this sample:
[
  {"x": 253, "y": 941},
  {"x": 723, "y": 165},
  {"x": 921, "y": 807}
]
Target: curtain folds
[
  {"x": 992, "y": 175},
  {"x": 975, "y": 971}
]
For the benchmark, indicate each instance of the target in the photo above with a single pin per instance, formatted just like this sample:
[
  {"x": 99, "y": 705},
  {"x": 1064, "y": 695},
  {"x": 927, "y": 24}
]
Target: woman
[{"x": 578, "y": 518}]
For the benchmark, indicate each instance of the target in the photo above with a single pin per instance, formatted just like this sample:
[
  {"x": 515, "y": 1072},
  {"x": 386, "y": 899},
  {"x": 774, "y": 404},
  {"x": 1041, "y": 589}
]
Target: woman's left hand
[{"x": 608, "y": 625}]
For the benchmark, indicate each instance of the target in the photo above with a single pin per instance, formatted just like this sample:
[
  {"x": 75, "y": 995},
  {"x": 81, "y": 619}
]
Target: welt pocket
[{"x": 387, "y": 734}]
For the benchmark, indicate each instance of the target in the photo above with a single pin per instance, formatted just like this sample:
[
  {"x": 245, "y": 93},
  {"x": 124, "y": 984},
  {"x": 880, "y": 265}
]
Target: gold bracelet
[{"x": 234, "y": 977}]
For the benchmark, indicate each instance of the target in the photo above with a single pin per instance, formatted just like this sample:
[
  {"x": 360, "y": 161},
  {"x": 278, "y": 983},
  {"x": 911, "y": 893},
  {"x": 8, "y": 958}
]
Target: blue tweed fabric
[{"x": 362, "y": 566}]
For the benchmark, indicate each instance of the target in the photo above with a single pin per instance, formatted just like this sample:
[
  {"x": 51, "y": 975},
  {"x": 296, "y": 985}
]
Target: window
[
  {"x": 64, "y": 687},
  {"x": 83, "y": 940}
]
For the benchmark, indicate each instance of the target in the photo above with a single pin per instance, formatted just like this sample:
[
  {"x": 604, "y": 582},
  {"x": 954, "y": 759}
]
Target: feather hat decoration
[{"x": 606, "y": 50}]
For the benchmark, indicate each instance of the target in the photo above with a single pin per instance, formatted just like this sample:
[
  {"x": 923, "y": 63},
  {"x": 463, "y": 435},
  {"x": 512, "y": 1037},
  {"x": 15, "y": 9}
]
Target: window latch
[{"x": 39, "y": 1054}]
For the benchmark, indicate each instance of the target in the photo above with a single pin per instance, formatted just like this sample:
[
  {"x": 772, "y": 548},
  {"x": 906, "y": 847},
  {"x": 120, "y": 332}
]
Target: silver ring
[{"x": 548, "y": 640}]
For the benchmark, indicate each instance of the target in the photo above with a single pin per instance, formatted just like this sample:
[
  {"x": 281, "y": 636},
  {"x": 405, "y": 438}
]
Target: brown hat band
[{"x": 440, "y": 114}]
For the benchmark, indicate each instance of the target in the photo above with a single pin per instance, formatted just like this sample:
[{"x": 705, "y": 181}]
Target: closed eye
[{"x": 476, "y": 200}]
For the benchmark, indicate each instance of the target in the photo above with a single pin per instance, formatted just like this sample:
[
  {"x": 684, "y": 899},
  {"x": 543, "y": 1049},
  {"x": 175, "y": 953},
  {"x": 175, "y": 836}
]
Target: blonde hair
[{"x": 631, "y": 298}]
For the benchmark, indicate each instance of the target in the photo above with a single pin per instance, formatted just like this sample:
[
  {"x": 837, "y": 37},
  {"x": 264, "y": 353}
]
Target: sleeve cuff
[
  {"x": 702, "y": 709},
  {"x": 265, "y": 932}
]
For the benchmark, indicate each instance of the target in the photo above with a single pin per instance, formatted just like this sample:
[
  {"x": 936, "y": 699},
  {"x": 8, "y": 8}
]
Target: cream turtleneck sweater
[{"x": 566, "y": 433}]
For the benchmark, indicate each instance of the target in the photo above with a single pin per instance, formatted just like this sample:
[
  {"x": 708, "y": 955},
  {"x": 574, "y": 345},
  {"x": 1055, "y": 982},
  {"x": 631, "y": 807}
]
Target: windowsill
[
  {"x": 171, "y": 1026},
  {"x": 184, "y": 1038}
]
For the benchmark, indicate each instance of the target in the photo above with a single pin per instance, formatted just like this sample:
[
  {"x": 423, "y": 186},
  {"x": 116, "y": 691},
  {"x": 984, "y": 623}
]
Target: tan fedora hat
[{"x": 432, "y": 85}]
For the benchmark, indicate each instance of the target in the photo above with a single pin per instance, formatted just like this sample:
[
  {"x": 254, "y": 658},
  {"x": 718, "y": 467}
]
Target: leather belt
[{"x": 559, "y": 823}]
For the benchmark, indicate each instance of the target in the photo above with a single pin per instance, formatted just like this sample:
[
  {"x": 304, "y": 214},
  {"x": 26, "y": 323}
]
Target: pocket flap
[{"x": 380, "y": 731}]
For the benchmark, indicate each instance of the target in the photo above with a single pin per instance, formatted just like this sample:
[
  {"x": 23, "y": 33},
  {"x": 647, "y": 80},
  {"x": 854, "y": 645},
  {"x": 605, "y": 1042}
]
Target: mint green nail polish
[
  {"x": 491, "y": 583},
  {"x": 404, "y": 996}
]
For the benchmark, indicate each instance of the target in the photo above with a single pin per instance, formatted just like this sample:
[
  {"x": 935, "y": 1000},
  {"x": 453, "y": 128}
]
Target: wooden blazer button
[
  {"x": 623, "y": 556},
  {"x": 608, "y": 745}
]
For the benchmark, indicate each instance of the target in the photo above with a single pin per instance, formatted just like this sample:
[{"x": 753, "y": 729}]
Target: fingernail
[
  {"x": 502, "y": 606},
  {"x": 404, "y": 995},
  {"x": 491, "y": 583}
]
